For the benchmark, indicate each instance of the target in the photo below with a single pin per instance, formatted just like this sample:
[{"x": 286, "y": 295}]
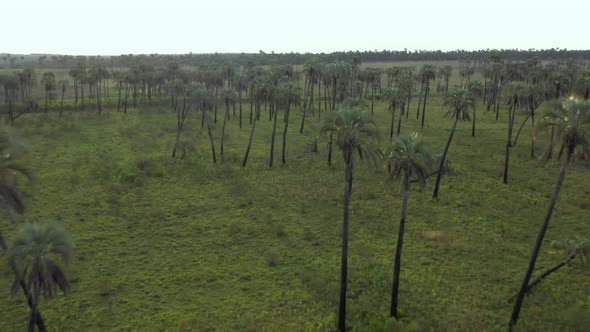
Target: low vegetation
[{"x": 180, "y": 217}]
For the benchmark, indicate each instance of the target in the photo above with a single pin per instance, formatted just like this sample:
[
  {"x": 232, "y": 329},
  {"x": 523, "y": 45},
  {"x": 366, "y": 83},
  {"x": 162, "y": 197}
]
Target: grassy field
[{"x": 185, "y": 244}]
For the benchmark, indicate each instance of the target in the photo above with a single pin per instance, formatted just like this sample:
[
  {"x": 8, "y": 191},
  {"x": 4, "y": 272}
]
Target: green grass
[{"x": 184, "y": 245}]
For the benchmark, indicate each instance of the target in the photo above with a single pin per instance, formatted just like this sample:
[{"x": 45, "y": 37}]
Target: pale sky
[{"x": 114, "y": 27}]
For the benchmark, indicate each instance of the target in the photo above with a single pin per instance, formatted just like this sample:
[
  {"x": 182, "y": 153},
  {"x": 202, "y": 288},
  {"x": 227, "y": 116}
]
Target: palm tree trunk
[
  {"x": 520, "y": 129},
  {"x": 533, "y": 134},
  {"x": 240, "y": 101},
  {"x": 399, "y": 120},
  {"x": 251, "y": 136},
  {"x": 119, "y": 99},
  {"x": 210, "y": 135},
  {"x": 511, "y": 113},
  {"x": 303, "y": 118},
  {"x": 215, "y": 108},
  {"x": 529, "y": 271},
  {"x": 330, "y": 149},
  {"x": 392, "y": 107},
  {"x": 420, "y": 101},
  {"x": 284, "y": 153},
  {"x": 272, "y": 138},
  {"x": 473, "y": 125},
  {"x": 225, "y": 119},
  {"x": 61, "y": 109},
  {"x": 444, "y": 157},
  {"x": 424, "y": 102},
  {"x": 398, "y": 251},
  {"x": 549, "y": 153},
  {"x": 38, "y": 319},
  {"x": 35, "y": 307},
  {"x": 176, "y": 142},
  {"x": 348, "y": 171},
  {"x": 251, "y": 103},
  {"x": 126, "y": 98},
  {"x": 545, "y": 274}
]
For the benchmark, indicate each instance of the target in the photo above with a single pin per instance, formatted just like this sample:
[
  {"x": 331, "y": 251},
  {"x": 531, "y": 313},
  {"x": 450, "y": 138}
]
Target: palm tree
[
  {"x": 202, "y": 99},
  {"x": 291, "y": 94},
  {"x": 258, "y": 95},
  {"x": 63, "y": 86},
  {"x": 33, "y": 250},
  {"x": 12, "y": 166},
  {"x": 354, "y": 131},
  {"x": 475, "y": 88},
  {"x": 49, "y": 84},
  {"x": 515, "y": 96},
  {"x": 177, "y": 88},
  {"x": 459, "y": 103},
  {"x": 11, "y": 87},
  {"x": 393, "y": 97},
  {"x": 427, "y": 74},
  {"x": 229, "y": 96},
  {"x": 572, "y": 122},
  {"x": 408, "y": 157}
]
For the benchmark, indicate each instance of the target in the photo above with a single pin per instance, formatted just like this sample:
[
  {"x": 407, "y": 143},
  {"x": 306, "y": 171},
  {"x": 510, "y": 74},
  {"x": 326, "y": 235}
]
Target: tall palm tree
[
  {"x": 427, "y": 74},
  {"x": 476, "y": 90},
  {"x": 393, "y": 98},
  {"x": 33, "y": 250},
  {"x": 49, "y": 83},
  {"x": 202, "y": 99},
  {"x": 291, "y": 95},
  {"x": 229, "y": 96},
  {"x": 12, "y": 166},
  {"x": 63, "y": 86},
  {"x": 259, "y": 91},
  {"x": 353, "y": 131},
  {"x": 408, "y": 157},
  {"x": 572, "y": 122},
  {"x": 459, "y": 103},
  {"x": 515, "y": 101}
]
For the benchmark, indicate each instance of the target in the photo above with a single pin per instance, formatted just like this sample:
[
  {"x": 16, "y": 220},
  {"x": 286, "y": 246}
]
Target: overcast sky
[{"x": 114, "y": 27}]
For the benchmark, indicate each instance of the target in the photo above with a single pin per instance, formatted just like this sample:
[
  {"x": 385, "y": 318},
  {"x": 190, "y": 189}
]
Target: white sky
[{"x": 114, "y": 27}]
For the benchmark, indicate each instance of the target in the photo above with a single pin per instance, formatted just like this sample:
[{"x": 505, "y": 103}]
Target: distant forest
[{"x": 263, "y": 58}]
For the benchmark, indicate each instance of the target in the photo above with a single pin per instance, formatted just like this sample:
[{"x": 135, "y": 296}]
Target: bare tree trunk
[
  {"x": 348, "y": 173},
  {"x": 210, "y": 134},
  {"x": 531, "y": 266},
  {"x": 272, "y": 138},
  {"x": 511, "y": 114},
  {"x": 424, "y": 102},
  {"x": 398, "y": 251},
  {"x": 251, "y": 136},
  {"x": 284, "y": 154},
  {"x": 444, "y": 157},
  {"x": 225, "y": 119}
]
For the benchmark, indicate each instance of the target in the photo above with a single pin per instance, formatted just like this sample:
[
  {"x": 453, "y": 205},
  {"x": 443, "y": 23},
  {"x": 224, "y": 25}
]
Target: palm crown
[
  {"x": 459, "y": 103},
  {"x": 353, "y": 130},
  {"x": 33, "y": 249},
  {"x": 571, "y": 120},
  {"x": 409, "y": 154},
  {"x": 12, "y": 156}
]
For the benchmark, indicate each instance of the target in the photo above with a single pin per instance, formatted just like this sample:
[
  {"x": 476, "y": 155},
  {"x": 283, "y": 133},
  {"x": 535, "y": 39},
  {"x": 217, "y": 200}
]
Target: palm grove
[{"x": 336, "y": 103}]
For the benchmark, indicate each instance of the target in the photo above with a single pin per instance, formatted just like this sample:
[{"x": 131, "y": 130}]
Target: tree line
[{"x": 294, "y": 58}]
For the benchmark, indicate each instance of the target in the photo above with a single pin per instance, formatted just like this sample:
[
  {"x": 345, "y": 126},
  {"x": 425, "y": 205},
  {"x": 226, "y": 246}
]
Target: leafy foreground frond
[
  {"x": 409, "y": 154},
  {"x": 33, "y": 250},
  {"x": 13, "y": 163}
]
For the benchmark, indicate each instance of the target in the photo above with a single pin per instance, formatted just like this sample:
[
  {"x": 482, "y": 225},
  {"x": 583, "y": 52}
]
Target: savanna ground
[{"x": 185, "y": 244}]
